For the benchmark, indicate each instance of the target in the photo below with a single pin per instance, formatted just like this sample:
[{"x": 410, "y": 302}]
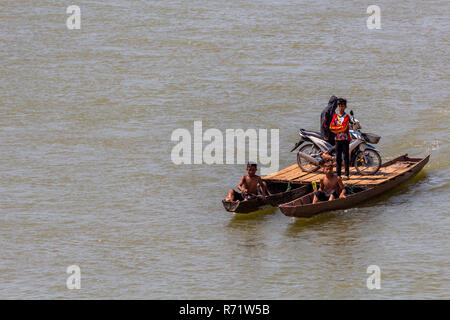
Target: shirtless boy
[
  {"x": 331, "y": 186},
  {"x": 249, "y": 186}
]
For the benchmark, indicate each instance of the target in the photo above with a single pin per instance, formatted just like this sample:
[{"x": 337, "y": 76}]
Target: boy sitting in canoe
[
  {"x": 249, "y": 185},
  {"x": 331, "y": 186}
]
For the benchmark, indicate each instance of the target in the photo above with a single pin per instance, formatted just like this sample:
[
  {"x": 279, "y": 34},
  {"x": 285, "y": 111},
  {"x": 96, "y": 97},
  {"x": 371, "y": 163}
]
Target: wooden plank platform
[{"x": 388, "y": 171}]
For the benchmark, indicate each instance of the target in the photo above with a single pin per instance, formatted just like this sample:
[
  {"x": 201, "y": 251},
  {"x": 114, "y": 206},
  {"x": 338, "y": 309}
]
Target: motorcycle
[{"x": 363, "y": 156}]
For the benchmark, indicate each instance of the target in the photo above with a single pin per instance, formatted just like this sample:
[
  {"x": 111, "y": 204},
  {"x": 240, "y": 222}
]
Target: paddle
[{"x": 289, "y": 186}]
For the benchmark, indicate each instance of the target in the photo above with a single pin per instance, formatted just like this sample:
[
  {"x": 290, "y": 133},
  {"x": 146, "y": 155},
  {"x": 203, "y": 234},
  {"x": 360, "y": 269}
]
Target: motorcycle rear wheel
[
  {"x": 303, "y": 164},
  {"x": 367, "y": 162}
]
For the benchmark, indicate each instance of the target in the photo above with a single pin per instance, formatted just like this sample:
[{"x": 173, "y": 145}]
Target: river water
[{"x": 86, "y": 118}]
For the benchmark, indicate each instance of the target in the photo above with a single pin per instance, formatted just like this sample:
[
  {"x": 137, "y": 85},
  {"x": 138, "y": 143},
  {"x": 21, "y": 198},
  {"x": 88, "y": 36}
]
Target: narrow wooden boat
[
  {"x": 276, "y": 198},
  {"x": 245, "y": 206},
  {"x": 303, "y": 207}
]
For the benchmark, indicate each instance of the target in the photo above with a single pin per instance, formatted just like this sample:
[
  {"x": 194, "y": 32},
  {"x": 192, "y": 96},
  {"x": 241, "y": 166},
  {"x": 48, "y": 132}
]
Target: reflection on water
[
  {"x": 296, "y": 225},
  {"x": 255, "y": 216}
]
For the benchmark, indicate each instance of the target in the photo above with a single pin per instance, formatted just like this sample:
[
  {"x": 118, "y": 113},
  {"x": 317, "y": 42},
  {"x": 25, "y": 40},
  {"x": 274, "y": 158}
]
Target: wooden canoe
[
  {"x": 303, "y": 207},
  {"x": 245, "y": 206},
  {"x": 274, "y": 199}
]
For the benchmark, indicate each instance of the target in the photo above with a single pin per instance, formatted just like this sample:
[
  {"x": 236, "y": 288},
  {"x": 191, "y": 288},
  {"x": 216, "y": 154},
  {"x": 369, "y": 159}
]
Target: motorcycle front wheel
[
  {"x": 303, "y": 164},
  {"x": 367, "y": 162}
]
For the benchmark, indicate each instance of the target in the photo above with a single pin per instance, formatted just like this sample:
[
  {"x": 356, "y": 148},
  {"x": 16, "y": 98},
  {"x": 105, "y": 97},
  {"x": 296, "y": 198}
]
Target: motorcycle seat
[{"x": 312, "y": 133}]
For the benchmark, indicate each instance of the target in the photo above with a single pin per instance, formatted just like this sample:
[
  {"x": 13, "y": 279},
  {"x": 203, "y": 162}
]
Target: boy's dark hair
[
  {"x": 328, "y": 164},
  {"x": 251, "y": 165},
  {"x": 342, "y": 101}
]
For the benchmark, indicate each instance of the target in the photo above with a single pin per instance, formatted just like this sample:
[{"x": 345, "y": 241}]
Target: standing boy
[{"x": 340, "y": 126}]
